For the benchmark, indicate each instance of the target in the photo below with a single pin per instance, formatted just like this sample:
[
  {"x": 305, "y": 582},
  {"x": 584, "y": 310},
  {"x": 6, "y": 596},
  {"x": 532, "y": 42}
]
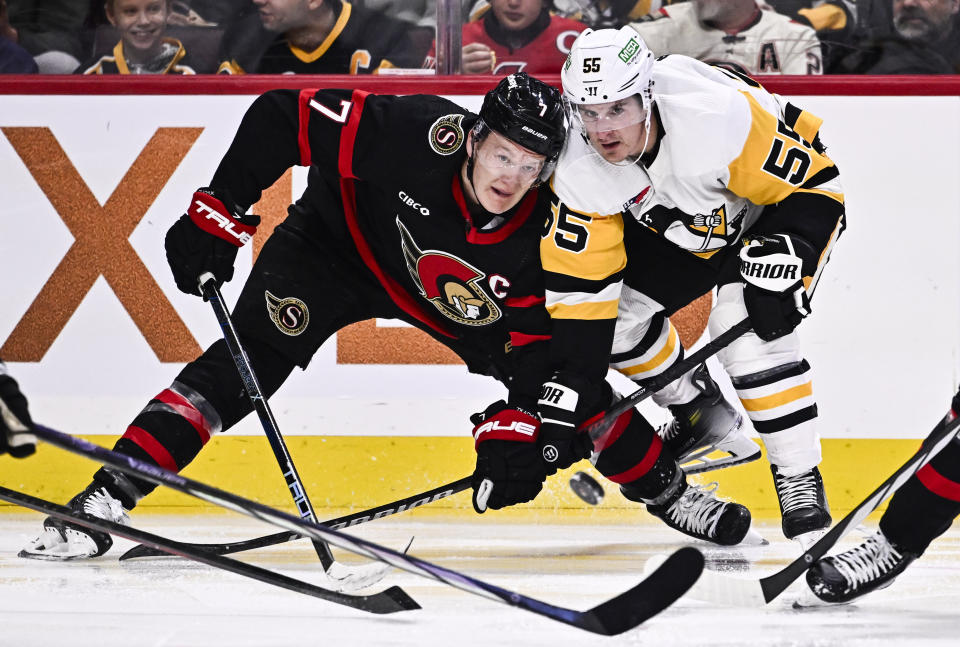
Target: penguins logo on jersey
[
  {"x": 449, "y": 283},
  {"x": 446, "y": 134},
  {"x": 702, "y": 234},
  {"x": 289, "y": 314}
]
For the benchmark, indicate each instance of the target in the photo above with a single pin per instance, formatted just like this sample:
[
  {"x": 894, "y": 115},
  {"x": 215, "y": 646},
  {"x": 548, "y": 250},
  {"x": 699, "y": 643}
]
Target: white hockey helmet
[{"x": 608, "y": 65}]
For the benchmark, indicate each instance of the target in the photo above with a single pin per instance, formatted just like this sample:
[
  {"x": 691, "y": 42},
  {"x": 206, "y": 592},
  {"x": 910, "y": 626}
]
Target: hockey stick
[
  {"x": 655, "y": 384},
  {"x": 621, "y": 613},
  {"x": 346, "y": 521},
  {"x": 599, "y": 428},
  {"x": 389, "y": 601},
  {"x": 720, "y": 589},
  {"x": 346, "y": 578}
]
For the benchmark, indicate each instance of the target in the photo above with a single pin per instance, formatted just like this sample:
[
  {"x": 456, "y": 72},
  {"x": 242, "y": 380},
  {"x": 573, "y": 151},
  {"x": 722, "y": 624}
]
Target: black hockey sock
[
  {"x": 926, "y": 505},
  {"x": 638, "y": 461},
  {"x": 206, "y": 398}
]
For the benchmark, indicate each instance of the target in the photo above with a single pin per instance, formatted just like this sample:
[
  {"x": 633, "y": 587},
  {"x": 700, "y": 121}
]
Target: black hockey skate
[
  {"x": 704, "y": 425},
  {"x": 803, "y": 504},
  {"x": 697, "y": 512},
  {"x": 62, "y": 540},
  {"x": 872, "y": 565}
]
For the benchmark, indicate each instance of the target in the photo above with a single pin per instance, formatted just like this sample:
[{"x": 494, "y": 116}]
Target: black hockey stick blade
[
  {"x": 658, "y": 591},
  {"x": 346, "y": 521},
  {"x": 602, "y": 619},
  {"x": 732, "y": 591},
  {"x": 391, "y": 600}
]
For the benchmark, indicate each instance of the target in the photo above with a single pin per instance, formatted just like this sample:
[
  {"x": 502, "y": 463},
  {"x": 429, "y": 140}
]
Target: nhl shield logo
[
  {"x": 446, "y": 134},
  {"x": 289, "y": 314}
]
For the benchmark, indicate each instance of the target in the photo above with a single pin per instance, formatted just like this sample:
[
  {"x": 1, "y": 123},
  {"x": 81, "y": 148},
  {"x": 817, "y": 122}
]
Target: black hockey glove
[
  {"x": 776, "y": 299},
  {"x": 206, "y": 239},
  {"x": 509, "y": 469},
  {"x": 15, "y": 423},
  {"x": 566, "y": 402}
]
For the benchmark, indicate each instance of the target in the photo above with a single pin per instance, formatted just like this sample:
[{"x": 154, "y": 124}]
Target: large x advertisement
[{"x": 93, "y": 326}]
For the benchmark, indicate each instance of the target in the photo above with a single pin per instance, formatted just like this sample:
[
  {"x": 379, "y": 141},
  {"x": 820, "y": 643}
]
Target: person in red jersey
[{"x": 514, "y": 36}]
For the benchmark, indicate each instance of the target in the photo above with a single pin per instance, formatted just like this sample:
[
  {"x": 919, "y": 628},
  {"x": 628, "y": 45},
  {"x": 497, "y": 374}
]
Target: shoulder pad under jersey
[{"x": 586, "y": 183}]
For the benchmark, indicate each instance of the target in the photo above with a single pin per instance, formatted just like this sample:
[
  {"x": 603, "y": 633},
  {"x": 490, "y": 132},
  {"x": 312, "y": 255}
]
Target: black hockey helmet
[{"x": 529, "y": 112}]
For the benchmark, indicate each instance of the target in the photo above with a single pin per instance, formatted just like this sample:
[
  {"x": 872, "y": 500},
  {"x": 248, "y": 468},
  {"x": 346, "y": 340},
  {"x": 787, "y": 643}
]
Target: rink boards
[{"x": 93, "y": 326}]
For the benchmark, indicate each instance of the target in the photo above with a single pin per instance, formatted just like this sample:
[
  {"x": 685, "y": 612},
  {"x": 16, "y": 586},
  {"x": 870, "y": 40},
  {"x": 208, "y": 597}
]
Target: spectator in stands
[
  {"x": 317, "y": 37},
  {"x": 735, "y": 34},
  {"x": 144, "y": 47},
  {"x": 49, "y": 30},
  {"x": 834, "y": 21},
  {"x": 922, "y": 37},
  {"x": 514, "y": 36},
  {"x": 13, "y": 58},
  {"x": 601, "y": 14}
]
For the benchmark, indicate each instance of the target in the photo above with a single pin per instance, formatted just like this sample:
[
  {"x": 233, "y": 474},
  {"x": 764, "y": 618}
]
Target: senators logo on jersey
[
  {"x": 449, "y": 283},
  {"x": 289, "y": 314},
  {"x": 446, "y": 134}
]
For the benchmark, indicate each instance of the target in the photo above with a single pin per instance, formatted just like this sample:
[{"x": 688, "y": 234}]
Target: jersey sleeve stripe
[
  {"x": 559, "y": 283},
  {"x": 530, "y": 301},
  {"x": 518, "y": 339},
  {"x": 586, "y": 311},
  {"x": 303, "y": 120},
  {"x": 609, "y": 293},
  {"x": 830, "y": 194},
  {"x": 348, "y": 137},
  {"x": 805, "y": 124},
  {"x": 821, "y": 177}
]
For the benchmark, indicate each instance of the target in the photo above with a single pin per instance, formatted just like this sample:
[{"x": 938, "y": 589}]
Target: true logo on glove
[
  {"x": 516, "y": 426},
  {"x": 222, "y": 221}
]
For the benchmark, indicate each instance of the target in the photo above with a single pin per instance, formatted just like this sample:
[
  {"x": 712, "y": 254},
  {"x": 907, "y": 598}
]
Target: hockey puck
[{"x": 586, "y": 487}]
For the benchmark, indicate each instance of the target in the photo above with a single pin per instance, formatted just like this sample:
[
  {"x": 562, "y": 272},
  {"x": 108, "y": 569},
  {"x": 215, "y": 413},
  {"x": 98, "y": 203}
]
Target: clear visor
[
  {"x": 499, "y": 156},
  {"x": 615, "y": 115}
]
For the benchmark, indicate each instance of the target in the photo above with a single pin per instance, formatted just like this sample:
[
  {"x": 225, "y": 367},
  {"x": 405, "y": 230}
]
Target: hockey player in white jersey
[
  {"x": 734, "y": 34},
  {"x": 683, "y": 178}
]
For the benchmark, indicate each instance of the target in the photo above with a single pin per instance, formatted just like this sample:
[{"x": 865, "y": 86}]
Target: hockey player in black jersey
[
  {"x": 919, "y": 512},
  {"x": 415, "y": 209}
]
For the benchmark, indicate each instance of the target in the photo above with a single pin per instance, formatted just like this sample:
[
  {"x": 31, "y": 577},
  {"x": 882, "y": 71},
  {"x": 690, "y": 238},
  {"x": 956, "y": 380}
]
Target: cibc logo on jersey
[
  {"x": 289, "y": 314},
  {"x": 451, "y": 284}
]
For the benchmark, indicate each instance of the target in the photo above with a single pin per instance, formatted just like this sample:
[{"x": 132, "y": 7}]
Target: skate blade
[
  {"x": 698, "y": 464},
  {"x": 807, "y": 599},
  {"x": 350, "y": 579},
  {"x": 753, "y": 538},
  {"x": 808, "y": 539},
  {"x": 53, "y": 556}
]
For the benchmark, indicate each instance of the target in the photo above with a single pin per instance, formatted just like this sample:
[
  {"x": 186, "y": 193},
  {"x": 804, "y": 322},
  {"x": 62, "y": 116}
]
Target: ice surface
[{"x": 171, "y": 602}]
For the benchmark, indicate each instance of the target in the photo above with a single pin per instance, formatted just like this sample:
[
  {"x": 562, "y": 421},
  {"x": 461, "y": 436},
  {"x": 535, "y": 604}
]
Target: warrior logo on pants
[
  {"x": 289, "y": 314},
  {"x": 451, "y": 284}
]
